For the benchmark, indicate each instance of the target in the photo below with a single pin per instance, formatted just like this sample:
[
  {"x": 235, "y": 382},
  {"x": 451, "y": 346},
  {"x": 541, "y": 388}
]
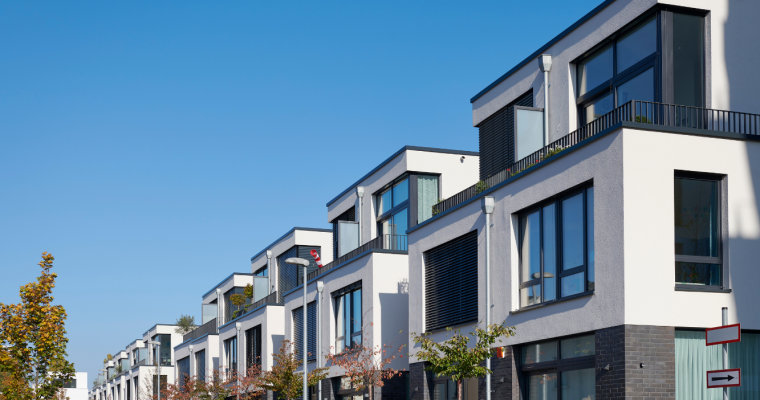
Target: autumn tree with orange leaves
[
  {"x": 34, "y": 364},
  {"x": 368, "y": 366}
]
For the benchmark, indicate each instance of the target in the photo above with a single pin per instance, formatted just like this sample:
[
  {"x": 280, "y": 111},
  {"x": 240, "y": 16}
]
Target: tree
[
  {"x": 185, "y": 324},
  {"x": 34, "y": 334},
  {"x": 150, "y": 385},
  {"x": 455, "y": 357},
  {"x": 238, "y": 300},
  {"x": 366, "y": 366},
  {"x": 61, "y": 395},
  {"x": 249, "y": 386},
  {"x": 188, "y": 389},
  {"x": 221, "y": 385},
  {"x": 284, "y": 379}
]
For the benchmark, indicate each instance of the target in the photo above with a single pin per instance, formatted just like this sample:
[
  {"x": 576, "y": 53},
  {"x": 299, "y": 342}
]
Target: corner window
[
  {"x": 557, "y": 248},
  {"x": 393, "y": 215},
  {"x": 348, "y": 317},
  {"x": 560, "y": 369},
  {"x": 697, "y": 213}
]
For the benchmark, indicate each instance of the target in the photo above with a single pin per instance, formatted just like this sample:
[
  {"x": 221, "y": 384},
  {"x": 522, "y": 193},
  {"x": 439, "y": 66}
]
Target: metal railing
[
  {"x": 271, "y": 298},
  {"x": 209, "y": 328},
  {"x": 382, "y": 242},
  {"x": 634, "y": 111}
]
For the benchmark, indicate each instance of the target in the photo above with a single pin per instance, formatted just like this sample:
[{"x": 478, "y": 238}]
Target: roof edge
[{"x": 297, "y": 228}]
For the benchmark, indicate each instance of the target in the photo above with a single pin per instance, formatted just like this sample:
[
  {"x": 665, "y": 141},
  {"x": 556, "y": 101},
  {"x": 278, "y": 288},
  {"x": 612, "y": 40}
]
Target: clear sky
[{"x": 154, "y": 147}]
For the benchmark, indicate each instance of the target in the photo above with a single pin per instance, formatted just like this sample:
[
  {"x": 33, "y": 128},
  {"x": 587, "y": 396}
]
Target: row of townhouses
[{"x": 609, "y": 216}]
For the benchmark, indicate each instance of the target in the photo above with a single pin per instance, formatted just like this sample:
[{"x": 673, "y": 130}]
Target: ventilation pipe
[
  {"x": 360, "y": 194},
  {"x": 269, "y": 271},
  {"x": 487, "y": 205},
  {"x": 545, "y": 64}
]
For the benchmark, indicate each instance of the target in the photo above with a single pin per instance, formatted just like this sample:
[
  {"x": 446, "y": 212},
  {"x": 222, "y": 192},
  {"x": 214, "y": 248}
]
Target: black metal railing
[
  {"x": 209, "y": 328},
  {"x": 271, "y": 298},
  {"x": 382, "y": 242},
  {"x": 634, "y": 111}
]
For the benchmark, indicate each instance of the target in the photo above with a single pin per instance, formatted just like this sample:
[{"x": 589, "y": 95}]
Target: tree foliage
[
  {"x": 34, "y": 361},
  {"x": 455, "y": 358},
  {"x": 185, "y": 324},
  {"x": 284, "y": 379}
]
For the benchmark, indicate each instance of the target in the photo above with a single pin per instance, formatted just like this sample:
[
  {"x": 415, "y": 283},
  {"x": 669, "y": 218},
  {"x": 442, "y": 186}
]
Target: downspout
[
  {"x": 320, "y": 288},
  {"x": 269, "y": 271},
  {"x": 487, "y": 204},
  {"x": 545, "y": 64},
  {"x": 218, "y": 308},
  {"x": 360, "y": 195}
]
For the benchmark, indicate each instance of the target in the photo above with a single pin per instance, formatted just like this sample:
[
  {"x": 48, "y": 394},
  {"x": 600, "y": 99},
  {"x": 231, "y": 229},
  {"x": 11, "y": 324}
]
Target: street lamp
[
  {"x": 305, "y": 265},
  {"x": 158, "y": 362},
  {"x": 487, "y": 204}
]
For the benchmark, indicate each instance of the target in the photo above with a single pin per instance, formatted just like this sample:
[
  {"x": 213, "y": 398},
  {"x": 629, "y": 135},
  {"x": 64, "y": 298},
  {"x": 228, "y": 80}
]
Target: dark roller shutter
[
  {"x": 349, "y": 215},
  {"x": 497, "y": 137},
  {"x": 298, "y": 331},
  {"x": 287, "y": 274},
  {"x": 253, "y": 346},
  {"x": 451, "y": 283}
]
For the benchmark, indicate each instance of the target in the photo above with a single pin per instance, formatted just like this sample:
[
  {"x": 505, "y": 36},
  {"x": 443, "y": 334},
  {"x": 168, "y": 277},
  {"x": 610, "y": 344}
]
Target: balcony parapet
[{"x": 382, "y": 242}]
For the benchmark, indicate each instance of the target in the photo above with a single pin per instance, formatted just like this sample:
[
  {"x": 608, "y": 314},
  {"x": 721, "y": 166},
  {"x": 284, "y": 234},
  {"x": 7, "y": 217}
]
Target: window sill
[
  {"x": 548, "y": 303},
  {"x": 700, "y": 288}
]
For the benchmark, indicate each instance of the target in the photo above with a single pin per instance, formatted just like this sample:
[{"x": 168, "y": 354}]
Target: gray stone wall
[{"x": 655, "y": 348}]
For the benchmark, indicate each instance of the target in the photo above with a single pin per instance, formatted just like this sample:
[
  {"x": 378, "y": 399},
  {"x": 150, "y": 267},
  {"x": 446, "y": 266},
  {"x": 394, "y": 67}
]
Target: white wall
[
  {"x": 80, "y": 392},
  {"x": 272, "y": 321}
]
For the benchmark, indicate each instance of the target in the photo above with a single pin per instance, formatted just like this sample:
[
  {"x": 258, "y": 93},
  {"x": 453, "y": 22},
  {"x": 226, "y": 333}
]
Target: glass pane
[
  {"x": 688, "y": 60},
  {"x": 427, "y": 196},
  {"x": 385, "y": 226},
  {"x": 439, "y": 391},
  {"x": 595, "y": 71},
  {"x": 543, "y": 387},
  {"x": 357, "y": 310},
  {"x": 385, "y": 202},
  {"x": 541, "y": 352},
  {"x": 599, "y": 108},
  {"x": 577, "y": 347},
  {"x": 400, "y": 225},
  {"x": 347, "y": 320},
  {"x": 696, "y": 217},
  {"x": 530, "y": 252},
  {"x": 530, "y": 132},
  {"x": 451, "y": 392},
  {"x": 550, "y": 252},
  {"x": 637, "y": 45},
  {"x": 590, "y": 237},
  {"x": 572, "y": 284},
  {"x": 572, "y": 232},
  {"x": 339, "y": 329},
  {"x": 579, "y": 384},
  {"x": 530, "y": 295},
  {"x": 698, "y": 274},
  {"x": 639, "y": 88},
  {"x": 401, "y": 192}
]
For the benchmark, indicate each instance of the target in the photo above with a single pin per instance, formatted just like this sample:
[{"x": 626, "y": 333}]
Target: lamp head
[
  {"x": 545, "y": 62},
  {"x": 297, "y": 261},
  {"x": 320, "y": 286},
  {"x": 360, "y": 191},
  {"x": 190, "y": 348},
  {"x": 269, "y": 253},
  {"x": 486, "y": 203},
  {"x": 238, "y": 326},
  {"x": 218, "y": 290}
]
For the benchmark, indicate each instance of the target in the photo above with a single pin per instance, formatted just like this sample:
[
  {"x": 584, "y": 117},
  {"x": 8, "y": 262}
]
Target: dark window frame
[
  {"x": 722, "y": 260},
  {"x": 347, "y": 293},
  {"x": 394, "y": 209},
  {"x": 228, "y": 354},
  {"x": 560, "y": 272},
  {"x": 556, "y": 366}
]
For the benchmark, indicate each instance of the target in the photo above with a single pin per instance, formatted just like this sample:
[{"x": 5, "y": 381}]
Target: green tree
[
  {"x": 455, "y": 358},
  {"x": 34, "y": 334},
  {"x": 185, "y": 324},
  {"x": 283, "y": 378}
]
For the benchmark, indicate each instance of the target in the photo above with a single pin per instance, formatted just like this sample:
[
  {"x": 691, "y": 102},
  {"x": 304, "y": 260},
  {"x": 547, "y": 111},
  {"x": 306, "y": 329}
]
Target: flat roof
[
  {"x": 225, "y": 280},
  {"x": 285, "y": 235},
  {"x": 542, "y": 49}
]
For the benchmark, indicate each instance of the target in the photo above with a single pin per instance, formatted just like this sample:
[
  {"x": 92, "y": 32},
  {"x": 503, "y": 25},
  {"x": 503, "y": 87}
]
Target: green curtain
[
  {"x": 694, "y": 359},
  {"x": 427, "y": 196}
]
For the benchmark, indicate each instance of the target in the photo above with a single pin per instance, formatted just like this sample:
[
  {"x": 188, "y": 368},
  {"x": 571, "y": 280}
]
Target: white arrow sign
[
  {"x": 723, "y": 334},
  {"x": 724, "y": 378}
]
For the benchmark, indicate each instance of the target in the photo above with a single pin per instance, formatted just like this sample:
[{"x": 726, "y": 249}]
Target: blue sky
[{"x": 154, "y": 147}]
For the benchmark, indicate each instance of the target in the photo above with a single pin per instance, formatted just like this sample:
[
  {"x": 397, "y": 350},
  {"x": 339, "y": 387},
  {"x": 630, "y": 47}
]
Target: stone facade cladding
[
  {"x": 655, "y": 348},
  {"x": 420, "y": 382}
]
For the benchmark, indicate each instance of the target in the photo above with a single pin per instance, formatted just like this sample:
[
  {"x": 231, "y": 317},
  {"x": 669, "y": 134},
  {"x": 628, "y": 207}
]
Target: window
[
  {"x": 261, "y": 271},
  {"x": 688, "y": 60},
  {"x": 298, "y": 331},
  {"x": 184, "y": 371},
  {"x": 560, "y": 369},
  {"x": 231, "y": 354},
  {"x": 618, "y": 73},
  {"x": 164, "y": 355},
  {"x": 557, "y": 248},
  {"x": 253, "y": 347},
  {"x": 497, "y": 137},
  {"x": 427, "y": 196},
  {"x": 451, "y": 283},
  {"x": 444, "y": 388},
  {"x": 348, "y": 316},
  {"x": 393, "y": 214},
  {"x": 698, "y": 230},
  {"x": 200, "y": 365}
]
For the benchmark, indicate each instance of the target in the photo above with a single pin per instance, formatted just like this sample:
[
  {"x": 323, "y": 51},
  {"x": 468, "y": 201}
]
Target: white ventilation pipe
[{"x": 545, "y": 64}]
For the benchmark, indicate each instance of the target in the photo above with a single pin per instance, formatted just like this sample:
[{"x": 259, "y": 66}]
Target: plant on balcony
[
  {"x": 480, "y": 187},
  {"x": 118, "y": 369},
  {"x": 368, "y": 366},
  {"x": 238, "y": 300},
  {"x": 185, "y": 324},
  {"x": 284, "y": 379},
  {"x": 455, "y": 358}
]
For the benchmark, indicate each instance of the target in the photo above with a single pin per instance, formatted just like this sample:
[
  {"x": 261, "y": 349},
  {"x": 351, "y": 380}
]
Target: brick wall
[
  {"x": 655, "y": 347},
  {"x": 610, "y": 363},
  {"x": 394, "y": 388},
  {"x": 420, "y": 380}
]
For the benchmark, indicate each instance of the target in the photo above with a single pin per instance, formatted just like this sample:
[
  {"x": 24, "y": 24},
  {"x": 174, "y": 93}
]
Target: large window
[
  {"x": 231, "y": 354},
  {"x": 253, "y": 347},
  {"x": 427, "y": 196},
  {"x": 393, "y": 214},
  {"x": 348, "y": 316},
  {"x": 697, "y": 215},
  {"x": 298, "y": 331},
  {"x": 163, "y": 353},
  {"x": 560, "y": 369},
  {"x": 200, "y": 365},
  {"x": 557, "y": 248},
  {"x": 184, "y": 372},
  {"x": 263, "y": 271}
]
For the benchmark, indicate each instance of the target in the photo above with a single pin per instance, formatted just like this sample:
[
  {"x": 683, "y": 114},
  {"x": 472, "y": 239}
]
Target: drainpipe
[
  {"x": 487, "y": 205},
  {"x": 320, "y": 288},
  {"x": 545, "y": 64},
  {"x": 360, "y": 194},
  {"x": 269, "y": 271},
  {"x": 218, "y": 308}
]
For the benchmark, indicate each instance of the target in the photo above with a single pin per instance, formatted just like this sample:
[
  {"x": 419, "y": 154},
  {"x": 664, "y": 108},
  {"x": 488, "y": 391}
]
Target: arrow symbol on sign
[{"x": 725, "y": 378}]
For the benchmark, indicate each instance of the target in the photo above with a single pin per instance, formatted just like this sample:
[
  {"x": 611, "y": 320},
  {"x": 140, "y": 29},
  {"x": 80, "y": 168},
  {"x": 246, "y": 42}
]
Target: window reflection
[
  {"x": 637, "y": 45},
  {"x": 639, "y": 88},
  {"x": 595, "y": 71},
  {"x": 599, "y": 108}
]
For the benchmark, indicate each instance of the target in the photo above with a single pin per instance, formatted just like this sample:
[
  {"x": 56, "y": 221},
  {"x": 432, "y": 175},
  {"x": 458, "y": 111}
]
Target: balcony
[
  {"x": 637, "y": 113},
  {"x": 382, "y": 242},
  {"x": 209, "y": 328}
]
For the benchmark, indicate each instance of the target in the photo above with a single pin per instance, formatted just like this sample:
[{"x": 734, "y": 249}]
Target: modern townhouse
[
  {"x": 360, "y": 295},
  {"x": 615, "y": 215}
]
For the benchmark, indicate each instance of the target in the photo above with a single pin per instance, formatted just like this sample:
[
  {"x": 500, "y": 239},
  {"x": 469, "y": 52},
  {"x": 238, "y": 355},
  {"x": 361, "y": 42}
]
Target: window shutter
[
  {"x": 298, "y": 331},
  {"x": 497, "y": 138},
  {"x": 451, "y": 283}
]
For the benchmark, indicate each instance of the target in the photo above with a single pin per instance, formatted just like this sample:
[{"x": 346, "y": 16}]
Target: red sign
[
  {"x": 723, "y": 334},
  {"x": 724, "y": 378}
]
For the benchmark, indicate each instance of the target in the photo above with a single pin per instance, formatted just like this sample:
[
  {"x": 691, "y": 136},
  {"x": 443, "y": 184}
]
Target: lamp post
[
  {"x": 305, "y": 264},
  {"x": 320, "y": 288},
  {"x": 158, "y": 363},
  {"x": 487, "y": 204}
]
